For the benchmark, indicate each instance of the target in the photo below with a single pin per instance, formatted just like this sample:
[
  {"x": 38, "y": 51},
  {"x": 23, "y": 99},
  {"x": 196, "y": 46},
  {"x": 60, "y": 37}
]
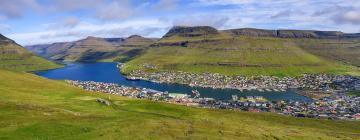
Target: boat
[{"x": 196, "y": 93}]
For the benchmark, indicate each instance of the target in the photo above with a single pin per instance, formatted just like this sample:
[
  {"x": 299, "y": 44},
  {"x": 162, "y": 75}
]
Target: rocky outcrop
[
  {"x": 185, "y": 31},
  {"x": 3, "y": 37},
  {"x": 291, "y": 33},
  {"x": 355, "y": 35},
  {"x": 308, "y": 34},
  {"x": 252, "y": 32},
  {"x": 5, "y": 40}
]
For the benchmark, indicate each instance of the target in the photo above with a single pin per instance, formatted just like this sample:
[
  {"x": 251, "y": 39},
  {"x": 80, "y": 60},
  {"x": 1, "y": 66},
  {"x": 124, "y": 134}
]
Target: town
[
  {"x": 338, "y": 105},
  {"x": 323, "y": 82}
]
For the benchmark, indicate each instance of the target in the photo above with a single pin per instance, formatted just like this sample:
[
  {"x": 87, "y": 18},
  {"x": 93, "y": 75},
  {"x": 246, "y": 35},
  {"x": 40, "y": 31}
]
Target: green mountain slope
[
  {"x": 92, "y": 49},
  {"x": 47, "y": 109},
  {"x": 15, "y": 57},
  {"x": 346, "y": 51},
  {"x": 246, "y": 52}
]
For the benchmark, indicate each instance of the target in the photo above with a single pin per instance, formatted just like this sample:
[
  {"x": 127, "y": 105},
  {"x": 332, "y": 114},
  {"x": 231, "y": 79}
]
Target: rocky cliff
[
  {"x": 291, "y": 33},
  {"x": 184, "y": 31}
]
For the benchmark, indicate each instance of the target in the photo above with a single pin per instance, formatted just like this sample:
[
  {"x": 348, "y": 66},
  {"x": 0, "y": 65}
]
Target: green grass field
[
  {"x": 32, "y": 107},
  {"x": 240, "y": 56}
]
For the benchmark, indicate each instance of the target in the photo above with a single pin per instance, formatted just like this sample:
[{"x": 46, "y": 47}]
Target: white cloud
[
  {"x": 166, "y": 5},
  {"x": 149, "y": 28},
  {"x": 292, "y": 14},
  {"x": 69, "y": 22},
  {"x": 201, "y": 20},
  {"x": 115, "y": 18},
  {"x": 348, "y": 17},
  {"x": 73, "y": 5},
  {"x": 5, "y": 27},
  {"x": 224, "y": 2},
  {"x": 117, "y": 10},
  {"x": 16, "y": 8}
]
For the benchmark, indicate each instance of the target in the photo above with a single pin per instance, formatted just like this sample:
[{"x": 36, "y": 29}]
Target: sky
[{"x": 30, "y": 22}]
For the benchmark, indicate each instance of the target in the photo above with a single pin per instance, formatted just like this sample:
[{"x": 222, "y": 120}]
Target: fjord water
[{"x": 109, "y": 73}]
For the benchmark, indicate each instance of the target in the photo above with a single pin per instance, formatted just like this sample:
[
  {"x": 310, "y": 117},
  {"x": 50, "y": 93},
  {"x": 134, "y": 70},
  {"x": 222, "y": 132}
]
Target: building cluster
[
  {"x": 336, "y": 106},
  {"x": 260, "y": 83}
]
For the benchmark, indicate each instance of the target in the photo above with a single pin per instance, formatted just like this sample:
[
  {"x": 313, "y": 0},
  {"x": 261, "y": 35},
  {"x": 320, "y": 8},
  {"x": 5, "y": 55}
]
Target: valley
[{"x": 179, "y": 70}]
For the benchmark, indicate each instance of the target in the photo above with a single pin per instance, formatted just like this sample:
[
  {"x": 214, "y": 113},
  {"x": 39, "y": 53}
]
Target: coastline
[
  {"x": 307, "y": 82},
  {"x": 322, "y": 108}
]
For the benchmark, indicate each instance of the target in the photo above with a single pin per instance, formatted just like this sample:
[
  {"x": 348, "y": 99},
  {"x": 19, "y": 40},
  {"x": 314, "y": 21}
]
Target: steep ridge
[
  {"x": 184, "y": 31},
  {"x": 292, "y": 33},
  {"x": 332, "y": 45},
  {"x": 15, "y": 57},
  {"x": 250, "y": 51},
  {"x": 93, "y": 49},
  {"x": 137, "y": 41}
]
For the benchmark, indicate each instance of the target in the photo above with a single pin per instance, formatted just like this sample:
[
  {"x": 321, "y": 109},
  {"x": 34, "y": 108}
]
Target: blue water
[{"x": 108, "y": 73}]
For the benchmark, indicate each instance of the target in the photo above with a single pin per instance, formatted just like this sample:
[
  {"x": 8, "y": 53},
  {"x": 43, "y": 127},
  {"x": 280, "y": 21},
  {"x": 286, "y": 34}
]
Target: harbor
[
  {"x": 338, "y": 106},
  {"x": 109, "y": 73},
  {"x": 105, "y": 78}
]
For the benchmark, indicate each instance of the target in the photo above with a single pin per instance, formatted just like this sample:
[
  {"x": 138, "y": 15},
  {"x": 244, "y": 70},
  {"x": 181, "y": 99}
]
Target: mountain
[
  {"x": 33, "y": 107},
  {"x": 93, "y": 49},
  {"x": 15, "y": 57},
  {"x": 184, "y": 31},
  {"x": 137, "y": 41},
  {"x": 251, "y": 51}
]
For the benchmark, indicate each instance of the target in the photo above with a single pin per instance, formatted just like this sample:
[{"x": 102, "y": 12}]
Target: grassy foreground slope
[
  {"x": 15, "y": 57},
  {"x": 33, "y": 107},
  {"x": 242, "y": 55}
]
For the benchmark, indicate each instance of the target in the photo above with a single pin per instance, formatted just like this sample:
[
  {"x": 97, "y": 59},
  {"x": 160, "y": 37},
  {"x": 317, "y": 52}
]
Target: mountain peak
[
  {"x": 2, "y": 36},
  {"x": 288, "y": 33},
  {"x": 191, "y": 31},
  {"x": 91, "y": 37},
  {"x": 135, "y": 36},
  {"x": 4, "y": 39}
]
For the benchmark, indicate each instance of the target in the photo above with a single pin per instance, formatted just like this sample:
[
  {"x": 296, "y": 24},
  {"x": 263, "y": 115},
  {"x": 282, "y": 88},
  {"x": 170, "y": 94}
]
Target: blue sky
[{"x": 47, "y": 21}]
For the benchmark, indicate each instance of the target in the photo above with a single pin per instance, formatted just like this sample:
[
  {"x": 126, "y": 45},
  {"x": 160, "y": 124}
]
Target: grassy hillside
[
  {"x": 346, "y": 51},
  {"x": 242, "y": 55},
  {"x": 92, "y": 49},
  {"x": 47, "y": 109},
  {"x": 15, "y": 57}
]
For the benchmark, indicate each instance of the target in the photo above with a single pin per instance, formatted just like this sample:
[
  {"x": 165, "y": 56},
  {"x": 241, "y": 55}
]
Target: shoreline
[
  {"x": 313, "y": 82},
  {"x": 322, "y": 108}
]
